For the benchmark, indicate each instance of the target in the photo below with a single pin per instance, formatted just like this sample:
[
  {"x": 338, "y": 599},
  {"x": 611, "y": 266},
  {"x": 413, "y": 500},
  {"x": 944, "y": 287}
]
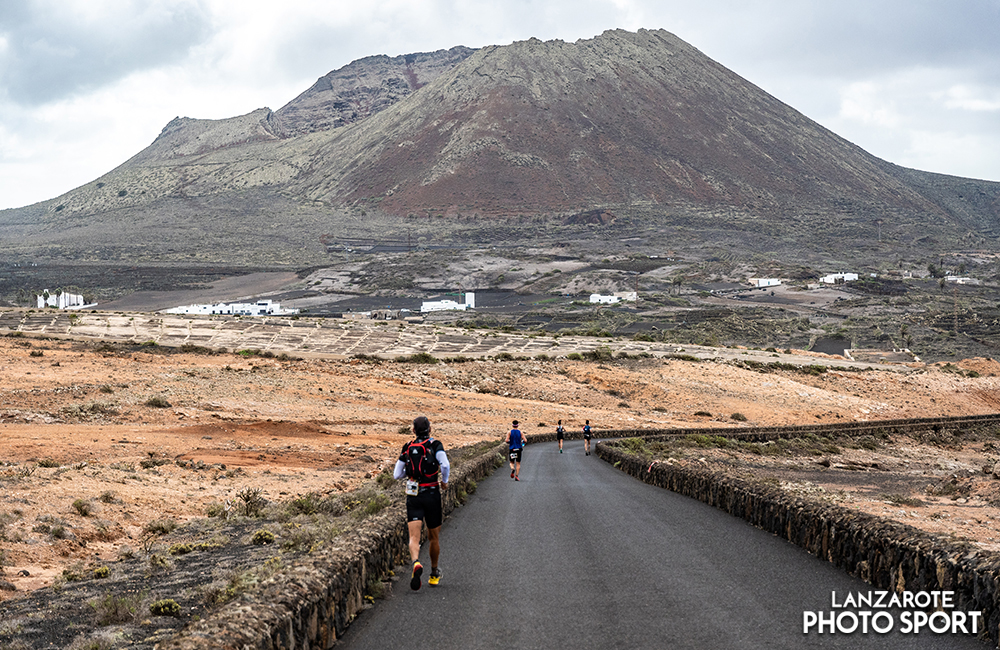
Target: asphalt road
[{"x": 578, "y": 555}]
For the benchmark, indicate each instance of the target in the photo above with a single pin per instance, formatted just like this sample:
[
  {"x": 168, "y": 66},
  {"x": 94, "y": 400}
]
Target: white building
[
  {"x": 450, "y": 305},
  {"x": 837, "y": 278},
  {"x": 615, "y": 298},
  {"x": 760, "y": 283},
  {"x": 957, "y": 280},
  {"x": 259, "y": 308},
  {"x": 62, "y": 300}
]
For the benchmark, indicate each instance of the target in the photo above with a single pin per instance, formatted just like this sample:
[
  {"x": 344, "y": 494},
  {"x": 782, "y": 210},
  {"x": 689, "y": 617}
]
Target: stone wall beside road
[
  {"x": 310, "y": 604},
  {"x": 886, "y": 554}
]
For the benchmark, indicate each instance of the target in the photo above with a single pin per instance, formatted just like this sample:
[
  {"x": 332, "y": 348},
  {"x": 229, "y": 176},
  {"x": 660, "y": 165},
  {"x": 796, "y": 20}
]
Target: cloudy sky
[{"x": 85, "y": 84}]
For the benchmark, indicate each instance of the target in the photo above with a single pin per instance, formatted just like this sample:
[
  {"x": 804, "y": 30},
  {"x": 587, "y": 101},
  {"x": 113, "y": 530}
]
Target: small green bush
[
  {"x": 180, "y": 549},
  {"x": 160, "y": 526},
  {"x": 739, "y": 417},
  {"x": 158, "y": 402},
  {"x": 165, "y": 607},
  {"x": 253, "y": 502},
  {"x": 158, "y": 564},
  {"x": 112, "y": 609},
  {"x": 84, "y": 507},
  {"x": 417, "y": 357},
  {"x": 261, "y": 537}
]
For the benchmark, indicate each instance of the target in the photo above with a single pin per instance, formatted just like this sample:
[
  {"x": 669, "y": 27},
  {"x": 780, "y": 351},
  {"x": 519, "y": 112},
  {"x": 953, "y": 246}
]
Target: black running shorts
[
  {"x": 427, "y": 506},
  {"x": 515, "y": 455}
]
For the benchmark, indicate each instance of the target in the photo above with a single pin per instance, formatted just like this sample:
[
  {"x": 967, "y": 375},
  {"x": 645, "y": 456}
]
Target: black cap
[{"x": 421, "y": 427}]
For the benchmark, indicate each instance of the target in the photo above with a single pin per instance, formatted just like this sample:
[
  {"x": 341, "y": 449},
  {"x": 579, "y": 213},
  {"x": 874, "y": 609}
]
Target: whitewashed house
[
  {"x": 838, "y": 278},
  {"x": 449, "y": 305},
  {"x": 259, "y": 308},
  {"x": 62, "y": 300}
]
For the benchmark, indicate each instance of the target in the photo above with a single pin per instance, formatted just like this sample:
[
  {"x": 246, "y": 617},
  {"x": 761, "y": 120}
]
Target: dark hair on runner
[
  {"x": 515, "y": 423},
  {"x": 421, "y": 426}
]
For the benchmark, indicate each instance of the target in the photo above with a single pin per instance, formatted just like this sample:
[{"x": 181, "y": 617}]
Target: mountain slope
[
  {"x": 555, "y": 126},
  {"x": 639, "y": 123}
]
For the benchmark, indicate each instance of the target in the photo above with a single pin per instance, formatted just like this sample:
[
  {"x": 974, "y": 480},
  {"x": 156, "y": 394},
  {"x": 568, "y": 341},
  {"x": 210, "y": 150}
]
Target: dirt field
[{"x": 99, "y": 440}]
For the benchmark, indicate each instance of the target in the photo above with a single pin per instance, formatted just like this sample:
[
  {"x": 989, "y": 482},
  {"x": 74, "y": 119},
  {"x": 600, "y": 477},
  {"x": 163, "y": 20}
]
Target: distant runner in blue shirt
[
  {"x": 586, "y": 437},
  {"x": 516, "y": 441}
]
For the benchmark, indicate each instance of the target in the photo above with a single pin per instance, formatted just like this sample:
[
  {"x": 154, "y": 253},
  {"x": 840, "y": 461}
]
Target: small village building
[
  {"x": 449, "y": 305},
  {"x": 259, "y": 308},
  {"x": 838, "y": 278},
  {"x": 760, "y": 283},
  {"x": 615, "y": 298},
  {"x": 62, "y": 300}
]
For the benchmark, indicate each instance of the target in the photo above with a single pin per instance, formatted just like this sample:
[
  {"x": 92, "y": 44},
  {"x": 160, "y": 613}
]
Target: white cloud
[
  {"x": 868, "y": 103},
  {"x": 972, "y": 98},
  {"x": 956, "y": 154}
]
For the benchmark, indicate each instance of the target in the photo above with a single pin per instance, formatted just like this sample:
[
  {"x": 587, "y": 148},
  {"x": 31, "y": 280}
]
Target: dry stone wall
[
  {"x": 309, "y": 605},
  {"x": 886, "y": 554}
]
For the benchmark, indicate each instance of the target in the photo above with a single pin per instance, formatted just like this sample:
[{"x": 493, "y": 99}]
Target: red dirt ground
[{"x": 88, "y": 459}]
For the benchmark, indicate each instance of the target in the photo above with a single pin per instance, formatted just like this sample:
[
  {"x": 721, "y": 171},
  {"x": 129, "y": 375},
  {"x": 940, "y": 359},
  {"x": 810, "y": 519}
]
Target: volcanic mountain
[{"x": 637, "y": 124}]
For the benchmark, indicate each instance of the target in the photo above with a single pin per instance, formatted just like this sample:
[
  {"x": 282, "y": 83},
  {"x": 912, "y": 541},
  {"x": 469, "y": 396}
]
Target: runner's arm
[
  {"x": 399, "y": 471},
  {"x": 442, "y": 459}
]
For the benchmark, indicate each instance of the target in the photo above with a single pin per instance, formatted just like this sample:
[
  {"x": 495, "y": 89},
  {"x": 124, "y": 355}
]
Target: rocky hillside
[
  {"x": 640, "y": 129},
  {"x": 363, "y": 88}
]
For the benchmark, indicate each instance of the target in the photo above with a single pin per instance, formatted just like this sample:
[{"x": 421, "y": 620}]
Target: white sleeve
[
  {"x": 400, "y": 470},
  {"x": 442, "y": 459}
]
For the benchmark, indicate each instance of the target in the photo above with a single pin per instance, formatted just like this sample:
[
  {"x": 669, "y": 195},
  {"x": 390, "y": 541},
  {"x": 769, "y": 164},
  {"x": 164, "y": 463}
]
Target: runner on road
[
  {"x": 516, "y": 441},
  {"x": 586, "y": 437},
  {"x": 560, "y": 432},
  {"x": 423, "y": 462}
]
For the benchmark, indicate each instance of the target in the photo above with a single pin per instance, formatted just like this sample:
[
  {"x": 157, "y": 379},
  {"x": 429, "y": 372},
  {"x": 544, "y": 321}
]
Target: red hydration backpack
[{"x": 421, "y": 465}]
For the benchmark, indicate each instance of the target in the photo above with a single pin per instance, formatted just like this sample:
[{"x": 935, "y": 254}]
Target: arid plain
[{"x": 99, "y": 439}]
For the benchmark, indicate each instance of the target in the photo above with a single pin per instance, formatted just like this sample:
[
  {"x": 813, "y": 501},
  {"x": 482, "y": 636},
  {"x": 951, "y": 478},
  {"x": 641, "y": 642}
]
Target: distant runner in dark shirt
[
  {"x": 586, "y": 437},
  {"x": 560, "y": 433}
]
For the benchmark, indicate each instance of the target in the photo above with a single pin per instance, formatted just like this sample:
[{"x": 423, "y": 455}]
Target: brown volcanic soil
[{"x": 77, "y": 424}]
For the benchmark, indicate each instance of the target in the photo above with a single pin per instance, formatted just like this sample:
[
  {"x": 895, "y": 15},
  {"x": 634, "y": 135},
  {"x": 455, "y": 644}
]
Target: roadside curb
[{"x": 311, "y": 603}]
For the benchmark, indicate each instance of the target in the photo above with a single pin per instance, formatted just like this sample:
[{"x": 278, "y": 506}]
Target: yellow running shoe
[
  {"x": 435, "y": 577},
  {"x": 418, "y": 570}
]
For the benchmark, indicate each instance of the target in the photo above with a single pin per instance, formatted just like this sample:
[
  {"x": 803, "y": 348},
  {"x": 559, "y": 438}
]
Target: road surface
[{"x": 578, "y": 555}]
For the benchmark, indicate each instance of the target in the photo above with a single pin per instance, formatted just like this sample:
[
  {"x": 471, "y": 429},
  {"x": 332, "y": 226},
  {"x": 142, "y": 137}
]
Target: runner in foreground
[{"x": 420, "y": 463}]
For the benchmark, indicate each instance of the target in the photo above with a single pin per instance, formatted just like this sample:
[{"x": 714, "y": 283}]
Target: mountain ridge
[{"x": 627, "y": 122}]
